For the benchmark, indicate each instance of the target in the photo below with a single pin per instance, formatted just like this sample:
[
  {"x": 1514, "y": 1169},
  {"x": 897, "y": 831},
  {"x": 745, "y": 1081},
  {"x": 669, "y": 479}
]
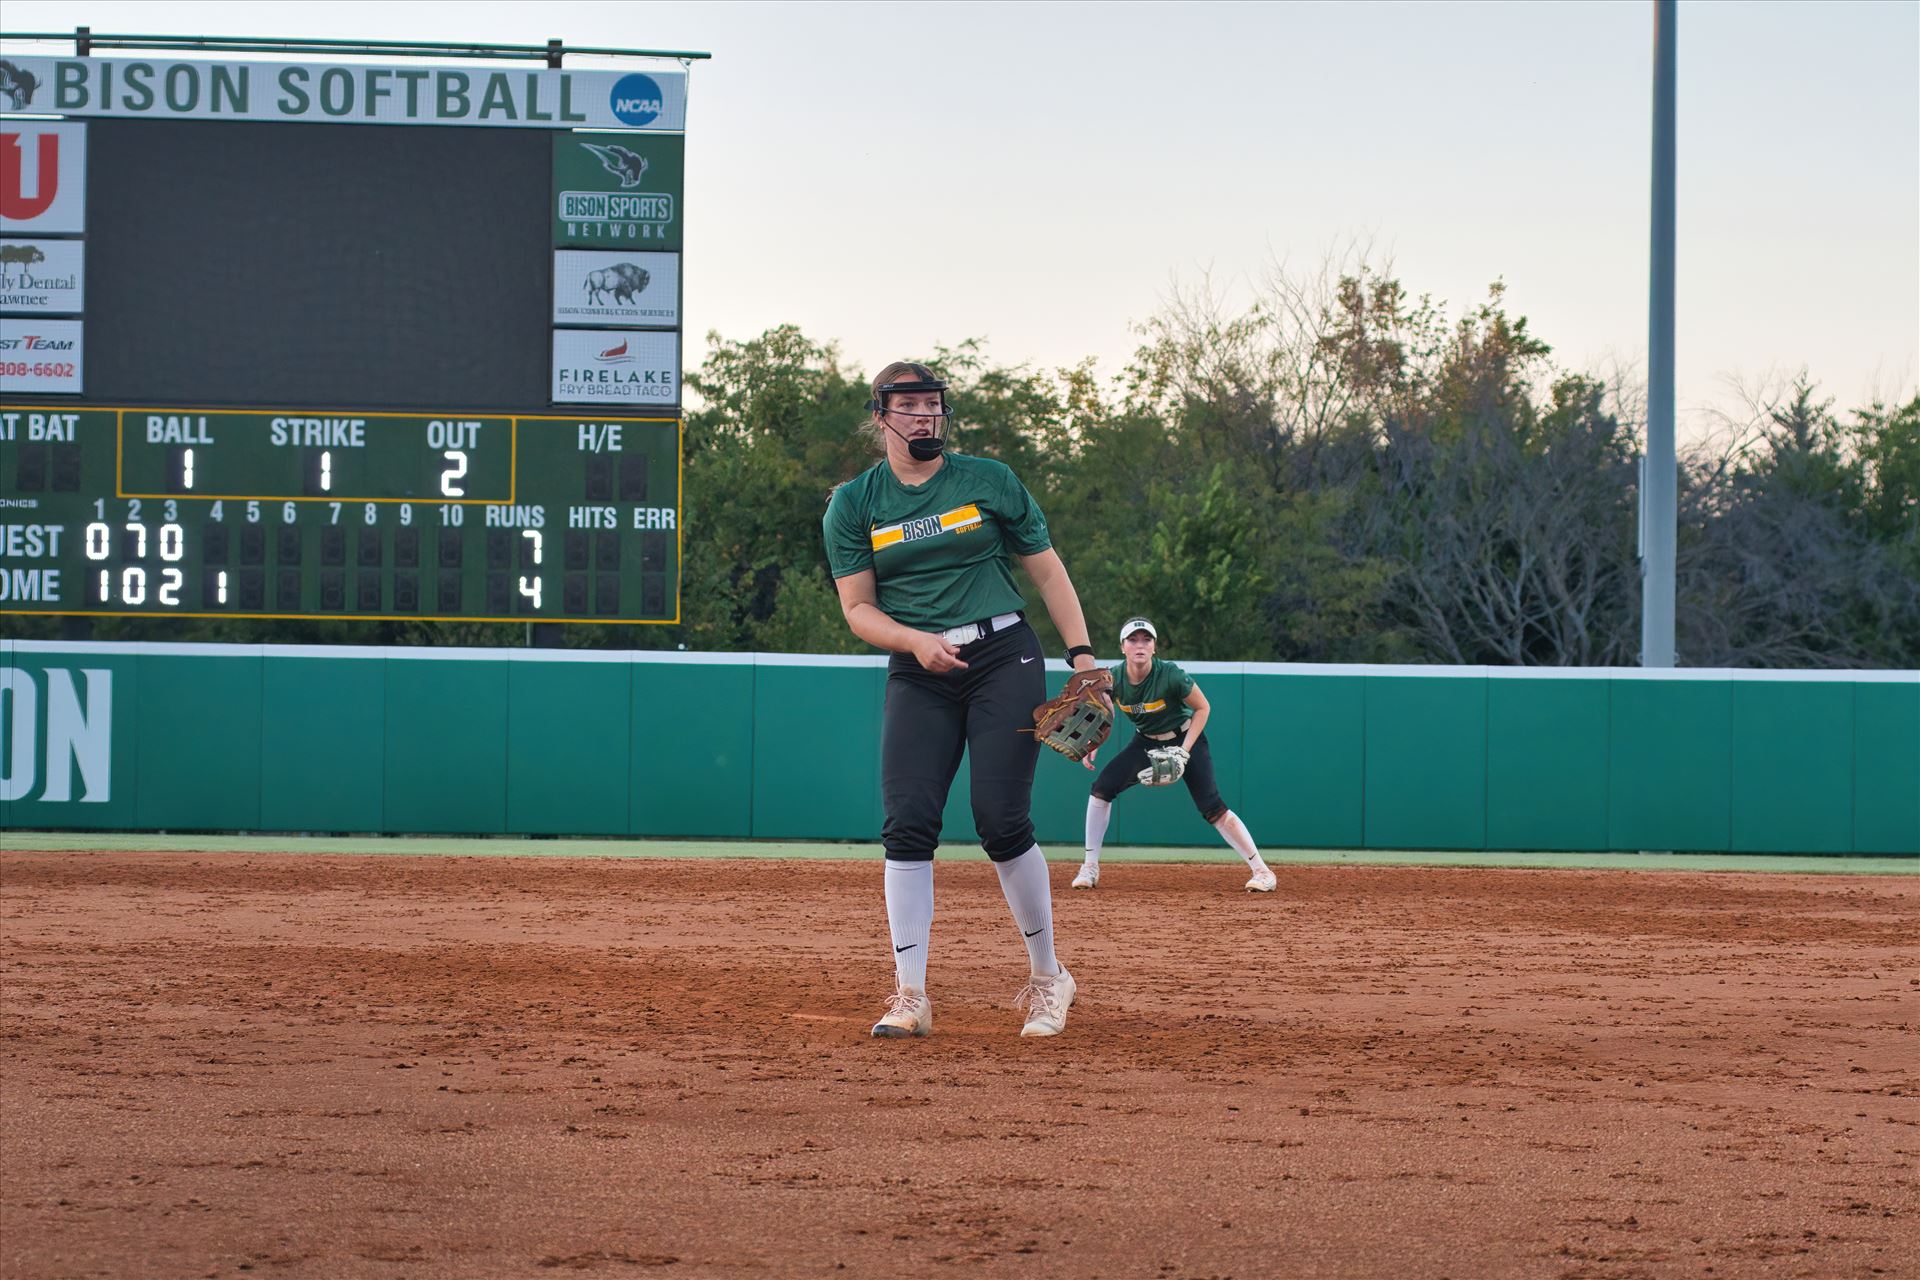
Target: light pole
[{"x": 1659, "y": 476}]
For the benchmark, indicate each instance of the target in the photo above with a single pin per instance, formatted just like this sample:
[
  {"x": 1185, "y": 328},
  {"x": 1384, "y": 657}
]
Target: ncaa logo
[{"x": 637, "y": 100}]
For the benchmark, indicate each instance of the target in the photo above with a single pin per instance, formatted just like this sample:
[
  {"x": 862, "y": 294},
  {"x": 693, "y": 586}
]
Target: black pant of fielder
[
  {"x": 1123, "y": 771},
  {"x": 930, "y": 720}
]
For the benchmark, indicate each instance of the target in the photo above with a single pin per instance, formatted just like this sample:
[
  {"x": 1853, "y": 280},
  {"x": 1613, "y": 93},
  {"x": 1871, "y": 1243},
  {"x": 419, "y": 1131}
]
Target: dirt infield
[{"x": 228, "y": 1065}]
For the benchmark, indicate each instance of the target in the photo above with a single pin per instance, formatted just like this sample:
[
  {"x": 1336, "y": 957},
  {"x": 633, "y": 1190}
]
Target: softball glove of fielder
[
  {"x": 1078, "y": 718},
  {"x": 1168, "y": 764}
]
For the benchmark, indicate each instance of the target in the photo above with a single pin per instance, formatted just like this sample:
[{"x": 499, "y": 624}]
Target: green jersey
[
  {"x": 938, "y": 550},
  {"x": 1157, "y": 704}
]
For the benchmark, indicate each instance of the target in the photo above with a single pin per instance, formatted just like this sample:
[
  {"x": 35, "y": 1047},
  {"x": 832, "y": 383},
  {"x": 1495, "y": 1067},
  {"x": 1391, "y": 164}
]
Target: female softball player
[
  {"x": 920, "y": 546},
  {"x": 1170, "y": 715}
]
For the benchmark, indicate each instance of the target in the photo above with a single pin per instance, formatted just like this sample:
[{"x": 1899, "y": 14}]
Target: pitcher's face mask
[{"x": 918, "y": 414}]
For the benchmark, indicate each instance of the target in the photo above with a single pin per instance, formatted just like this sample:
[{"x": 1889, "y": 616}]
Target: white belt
[
  {"x": 967, "y": 634},
  {"x": 1167, "y": 737}
]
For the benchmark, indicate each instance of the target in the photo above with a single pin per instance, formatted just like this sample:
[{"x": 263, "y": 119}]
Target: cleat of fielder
[
  {"x": 909, "y": 1013},
  {"x": 1263, "y": 881},
  {"x": 1046, "y": 1000},
  {"x": 1089, "y": 877}
]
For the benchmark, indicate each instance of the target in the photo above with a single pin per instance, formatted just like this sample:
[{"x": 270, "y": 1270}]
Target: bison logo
[
  {"x": 20, "y": 255},
  {"x": 623, "y": 280},
  {"x": 16, "y": 86},
  {"x": 628, "y": 166}
]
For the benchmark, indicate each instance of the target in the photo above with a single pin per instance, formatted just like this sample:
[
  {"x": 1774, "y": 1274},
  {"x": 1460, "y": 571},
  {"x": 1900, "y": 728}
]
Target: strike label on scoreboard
[{"x": 329, "y": 514}]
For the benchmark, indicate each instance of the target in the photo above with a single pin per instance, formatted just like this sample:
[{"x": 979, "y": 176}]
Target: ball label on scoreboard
[
  {"x": 615, "y": 366},
  {"x": 591, "y": 287},
  {"x": 40, "y": 357}
]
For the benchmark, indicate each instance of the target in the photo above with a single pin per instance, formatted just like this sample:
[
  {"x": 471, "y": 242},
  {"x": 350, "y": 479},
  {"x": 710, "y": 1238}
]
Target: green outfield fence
[{"x": 147, "y": 737}]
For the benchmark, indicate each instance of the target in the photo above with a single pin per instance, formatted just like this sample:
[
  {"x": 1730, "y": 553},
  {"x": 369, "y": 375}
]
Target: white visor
[{"x": 1137, "y": 624}]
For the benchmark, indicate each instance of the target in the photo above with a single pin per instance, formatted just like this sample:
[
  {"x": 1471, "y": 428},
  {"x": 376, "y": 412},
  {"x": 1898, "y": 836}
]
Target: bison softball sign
[{"x": 167, "y": 89}]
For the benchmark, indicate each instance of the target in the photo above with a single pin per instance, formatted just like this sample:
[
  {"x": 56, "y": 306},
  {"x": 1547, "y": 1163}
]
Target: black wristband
[{"x": 1079, "y": 649}]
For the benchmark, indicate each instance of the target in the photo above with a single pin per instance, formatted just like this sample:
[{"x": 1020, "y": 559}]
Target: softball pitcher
[
  {"x": 1170, "y": 715},
  {"x": 921, "y": 546}
]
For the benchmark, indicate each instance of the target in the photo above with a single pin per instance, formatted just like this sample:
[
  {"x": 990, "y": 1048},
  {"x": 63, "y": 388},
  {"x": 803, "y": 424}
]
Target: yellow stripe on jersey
[
  {"x": 959, "y": 520},
  {"x": 1144, "y": 708}
]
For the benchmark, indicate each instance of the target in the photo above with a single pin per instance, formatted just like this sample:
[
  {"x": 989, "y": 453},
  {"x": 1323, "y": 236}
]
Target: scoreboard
[
  {"x": 304, "y": 514},
  {"x": 260, "y": 359}
]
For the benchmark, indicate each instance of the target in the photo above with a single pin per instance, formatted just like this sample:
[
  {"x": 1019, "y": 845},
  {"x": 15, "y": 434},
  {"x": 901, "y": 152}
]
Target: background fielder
[{"x": 1170, "y": 714}]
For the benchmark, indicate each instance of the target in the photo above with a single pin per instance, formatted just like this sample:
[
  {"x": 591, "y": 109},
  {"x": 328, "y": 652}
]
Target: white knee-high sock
[
  {"x": 1235, "y": 833},
  {"x": 1024, "y": 881},
  {"x": 1098, "y": 812},
  {"x": 910, "y": 918}
]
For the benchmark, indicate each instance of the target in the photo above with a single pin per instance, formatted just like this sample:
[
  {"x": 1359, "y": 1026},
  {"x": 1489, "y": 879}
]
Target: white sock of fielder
[
  {"x": 1024, "y": 881},
  {"x": 1098, "y": 812},
  {"x": 910, "y": 917},
  {"x": 1235, "y": 833}
]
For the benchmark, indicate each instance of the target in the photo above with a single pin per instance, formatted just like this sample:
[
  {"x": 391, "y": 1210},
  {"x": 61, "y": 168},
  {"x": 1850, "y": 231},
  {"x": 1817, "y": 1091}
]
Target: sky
[{"x": 1044, "y": 176}]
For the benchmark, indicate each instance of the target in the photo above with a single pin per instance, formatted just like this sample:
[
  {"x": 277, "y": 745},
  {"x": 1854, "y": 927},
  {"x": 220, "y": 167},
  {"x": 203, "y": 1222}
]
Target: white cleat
[
  {"x": 1263, "y": 881},
  {"x": 1046, "y": 1001},
  {"x": 1089, "y": 877},
  {"x": 909, "y": 1013}
]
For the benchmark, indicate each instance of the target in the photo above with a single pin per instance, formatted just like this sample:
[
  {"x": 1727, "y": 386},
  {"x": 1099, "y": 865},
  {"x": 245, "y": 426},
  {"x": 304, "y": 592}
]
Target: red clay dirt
[{"x": 305, "y": 1066}]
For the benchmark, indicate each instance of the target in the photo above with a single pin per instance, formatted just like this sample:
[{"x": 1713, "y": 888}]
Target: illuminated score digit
[
  {"x": 173, "y": 542},
  {"x": 186, "y": 465},
  {"x": 531, "y": 592},
  {"x": 222, "y": 586},
  {"x": 326, "y": 468},
  {"x": 139, "y": 532},
  {"x": 538, "y": 542},
  {"x": 98, "y": 538},
  {"x": 453, "y": 473}
]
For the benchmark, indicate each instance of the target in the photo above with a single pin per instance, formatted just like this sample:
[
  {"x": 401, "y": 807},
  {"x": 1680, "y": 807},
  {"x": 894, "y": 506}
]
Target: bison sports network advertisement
[
  {"x": 617, "y": 190},
  {"x": 592, "y": 287}
]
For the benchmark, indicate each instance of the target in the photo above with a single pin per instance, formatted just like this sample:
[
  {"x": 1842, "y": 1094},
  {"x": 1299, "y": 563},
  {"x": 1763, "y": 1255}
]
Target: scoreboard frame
[{"x": 594, "y": 579}]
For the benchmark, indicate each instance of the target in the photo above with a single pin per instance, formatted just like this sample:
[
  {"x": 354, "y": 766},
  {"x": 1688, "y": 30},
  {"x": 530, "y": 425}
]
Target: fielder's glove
[
  {"x": 1168, "y": 764},
  {"x": 1078, "y": 718}
]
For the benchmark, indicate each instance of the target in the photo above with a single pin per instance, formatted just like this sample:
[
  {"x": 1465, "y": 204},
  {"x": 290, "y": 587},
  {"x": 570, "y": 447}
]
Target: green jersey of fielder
[{"x": 1170, "y": 715}]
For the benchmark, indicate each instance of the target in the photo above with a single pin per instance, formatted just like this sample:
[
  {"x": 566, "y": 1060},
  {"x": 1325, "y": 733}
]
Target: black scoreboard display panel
[{"x": 298, "y": 360}]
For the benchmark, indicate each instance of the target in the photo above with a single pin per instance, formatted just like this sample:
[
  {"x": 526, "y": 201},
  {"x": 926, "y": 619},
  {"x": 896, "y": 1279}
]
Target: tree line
[{"x": 1335, "y": 471}]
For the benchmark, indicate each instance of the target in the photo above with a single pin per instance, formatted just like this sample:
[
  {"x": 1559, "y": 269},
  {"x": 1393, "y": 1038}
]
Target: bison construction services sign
[
  {"x": 42, "y": 277},
  {"x": 592, "y": 287},
  {"x": 323, "y": 93},
  {"x": 43, "y": 177},
  {"x": 615, "y": 366}
]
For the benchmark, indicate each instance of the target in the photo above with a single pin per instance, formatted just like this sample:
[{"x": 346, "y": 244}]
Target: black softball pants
[
  {"x": 931, "y": 720},
  {"x": 1123, "y": 771}
]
